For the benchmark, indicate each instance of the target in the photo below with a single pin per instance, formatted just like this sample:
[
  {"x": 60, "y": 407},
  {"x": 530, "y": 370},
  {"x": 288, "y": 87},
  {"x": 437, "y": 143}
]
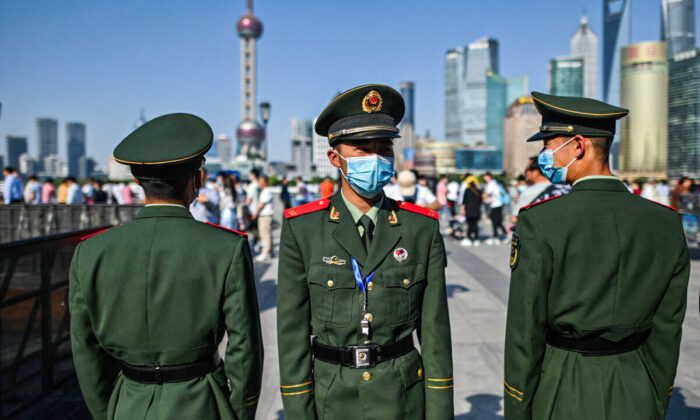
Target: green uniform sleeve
[
  {"x": 95, "y": 368},
  {"x": 526, "y": 327},
  {"x": 662, "y": 347},
  {"x": 293, "y": 330},
  {"x": 244, "y": 352},
  {"x": 434, "y": 333}
]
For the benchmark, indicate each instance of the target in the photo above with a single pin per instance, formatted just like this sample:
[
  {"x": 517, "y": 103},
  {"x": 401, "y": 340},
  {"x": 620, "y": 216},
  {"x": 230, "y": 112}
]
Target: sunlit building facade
[
  {"x": 566, "y": 76},
  {"x": 584, "y": 44},
  {"x": 521, "y": 121},
  {"x": 644, "y": 91},
  {"x": 684, "y": 114},
  {"x": 678, "y": 25}
]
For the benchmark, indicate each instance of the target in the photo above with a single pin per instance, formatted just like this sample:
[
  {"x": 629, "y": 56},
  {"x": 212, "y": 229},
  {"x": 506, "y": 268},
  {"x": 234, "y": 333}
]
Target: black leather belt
[
  {"x": 361, "y": 355},
  {"x": 596, "y": 346},
  {"x": 172, "y": 373}
]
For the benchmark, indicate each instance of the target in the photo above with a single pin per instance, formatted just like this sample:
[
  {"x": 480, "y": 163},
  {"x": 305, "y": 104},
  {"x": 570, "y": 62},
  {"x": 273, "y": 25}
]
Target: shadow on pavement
[
  {"x": 280, "y": 414},
  {"x": 455, "y": 288},
  {"x": 678, "y": 408},
  {"x": 694, "y": 253},
  {"x": 484, "y": 407}
]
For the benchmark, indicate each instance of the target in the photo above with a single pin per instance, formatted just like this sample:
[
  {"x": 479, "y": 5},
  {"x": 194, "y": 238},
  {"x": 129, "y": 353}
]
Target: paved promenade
[{"x": 477, "y": 281}]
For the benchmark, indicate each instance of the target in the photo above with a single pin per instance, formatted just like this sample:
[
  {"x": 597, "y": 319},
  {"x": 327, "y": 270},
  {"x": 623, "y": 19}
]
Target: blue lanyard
[{"x": 358, "y": 276}]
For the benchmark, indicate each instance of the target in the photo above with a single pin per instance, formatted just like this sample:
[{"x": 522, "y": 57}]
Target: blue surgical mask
[
  {"x": 367, "y": 175},
  {"x": 553, "y": 173}
]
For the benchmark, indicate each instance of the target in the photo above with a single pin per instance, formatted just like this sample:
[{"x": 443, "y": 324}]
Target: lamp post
[{"x": 265, "y": 115}]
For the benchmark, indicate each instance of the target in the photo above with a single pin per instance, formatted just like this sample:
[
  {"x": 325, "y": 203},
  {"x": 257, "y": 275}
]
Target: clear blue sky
[{"x": 99, "y": 62}]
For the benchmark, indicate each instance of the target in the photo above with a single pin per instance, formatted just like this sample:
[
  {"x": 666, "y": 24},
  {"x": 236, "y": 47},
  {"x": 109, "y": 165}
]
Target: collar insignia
[
  {"x": 333, "y": 260},
  {"x": 334, "y": 214},
  {"x": 392, "y": 218}
]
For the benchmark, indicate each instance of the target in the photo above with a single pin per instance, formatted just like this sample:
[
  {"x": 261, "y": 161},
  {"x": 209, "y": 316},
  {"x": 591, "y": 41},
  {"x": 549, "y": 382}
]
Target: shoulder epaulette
[
  {"x": 403, "y": 205},
  {"x": 93, "y": 234},
  {"x": 307, "y": 208},
  {"x": 664, "y": 205},
  {"x": 225, "y": 228},
  {"x": 538, "y": 203}
]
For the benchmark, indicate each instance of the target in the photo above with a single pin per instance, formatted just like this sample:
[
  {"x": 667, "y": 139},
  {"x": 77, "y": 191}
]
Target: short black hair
[
  {"x": 602, "y": 146},
  {"x": 533, "y": 165},
  {"x": 9, "y": 169},
  {"x": 255, "y": 172},
  {"x": 166, "y": 188},
  {"x": 33, "y": 177},
  {"x": 488, "y": 174}
]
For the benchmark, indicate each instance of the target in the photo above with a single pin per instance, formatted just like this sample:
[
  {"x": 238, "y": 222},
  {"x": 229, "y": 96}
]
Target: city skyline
[{"x": 297, "y": 65}]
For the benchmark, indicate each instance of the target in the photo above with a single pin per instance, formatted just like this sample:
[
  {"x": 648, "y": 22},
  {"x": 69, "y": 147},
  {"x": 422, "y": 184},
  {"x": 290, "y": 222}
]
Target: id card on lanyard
[{"x": 362, "y": 283}]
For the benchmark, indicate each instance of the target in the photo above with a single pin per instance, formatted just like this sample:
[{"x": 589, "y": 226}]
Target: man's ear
[
  {"x": 198, "y": 179},
  {"x": 580, "y": 145},
  {"x": 333, "y": 157}
]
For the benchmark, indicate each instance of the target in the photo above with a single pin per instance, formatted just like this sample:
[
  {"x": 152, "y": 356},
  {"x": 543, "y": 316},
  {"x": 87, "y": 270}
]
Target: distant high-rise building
[
  {"x": 644, "y": 92},
  {"x": 684, "y": 114},
  {"x": 481, "y": 58},
  {"x": 117, "y": 171},
  {"x": 86, "y": 167},
  {"x": 584, "y": 44},
  {"x": 47, "y": 136},
  {"x": 566, "y": 76},
  {"x": 301, "y": 131},
  {"x": 454, "y": 92},
  {"x": 408, "y": 92},
  {"x": 28, "y": 165},
  {"x": 224, "y": 147},
  {"x": 522, "y": 121},
  {"x": 517, "y": 88},
  {"x": 319, "y": 159},
  {"x": 76, "y": 146},
  {"x": 616, "y": 34},
  {"x": 496, "y": 92},
  {"x": 678, "y": 25},
  {"x": 54, "y": 166},
  {"x": 16, "y": 146}
]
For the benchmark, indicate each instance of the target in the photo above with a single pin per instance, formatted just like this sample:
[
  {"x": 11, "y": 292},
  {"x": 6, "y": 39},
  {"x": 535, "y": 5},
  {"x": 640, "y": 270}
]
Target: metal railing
[
  {"x": 35, "y": 354},
  {"x": 23, "y": 221}
]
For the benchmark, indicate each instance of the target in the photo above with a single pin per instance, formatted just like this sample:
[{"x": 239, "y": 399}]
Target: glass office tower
[
  {"x": 616, "y": 34},
  {"x": 684, "y": 114},
  {"x": 678, "y": 25},
  {"x": 566, "y": 76}
]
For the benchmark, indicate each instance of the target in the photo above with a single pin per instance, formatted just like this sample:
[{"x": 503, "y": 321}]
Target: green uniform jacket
[
  {"x": 162, "y": 290},
  {"x": 318, "y": 295},
  {"x": 602, "y": 262}
]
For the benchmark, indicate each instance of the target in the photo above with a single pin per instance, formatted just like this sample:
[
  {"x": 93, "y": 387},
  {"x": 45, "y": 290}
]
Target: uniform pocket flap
[
  {"x": 332, "y": 278},
  {"x": 411, "y": 369},
  {"x": 404, "y": 277}
]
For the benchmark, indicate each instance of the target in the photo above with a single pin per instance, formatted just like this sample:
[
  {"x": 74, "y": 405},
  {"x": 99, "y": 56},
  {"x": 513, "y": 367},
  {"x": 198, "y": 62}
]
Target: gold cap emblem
[{"x": 372, "y": 102}]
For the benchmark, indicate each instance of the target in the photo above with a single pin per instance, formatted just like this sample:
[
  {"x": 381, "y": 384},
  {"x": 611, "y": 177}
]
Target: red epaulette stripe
[
  {"x": 538, "y": 202},
  {"x": 225, "y": 228},
  {"x": 307, "y": 208},
  {"x": 418, "y": 209},
  {"x": 664, "y": 205},
  {"x": 93, "y": 234}
]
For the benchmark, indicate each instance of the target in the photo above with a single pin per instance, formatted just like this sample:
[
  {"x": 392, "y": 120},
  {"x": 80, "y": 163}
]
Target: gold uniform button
[
  {"x": 366, "y": 376},
  {"x": 406, "y": 282},
  {"x": 369, "y": 317},
  {"x": 330, "y": 283},
  {"x": 370, "y": 286},
  {"x": 420, "y": 372}
]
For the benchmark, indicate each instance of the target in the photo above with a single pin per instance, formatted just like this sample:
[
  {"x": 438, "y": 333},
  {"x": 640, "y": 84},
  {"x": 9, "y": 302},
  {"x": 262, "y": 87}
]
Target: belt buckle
[{"x": 362, "y": 357}]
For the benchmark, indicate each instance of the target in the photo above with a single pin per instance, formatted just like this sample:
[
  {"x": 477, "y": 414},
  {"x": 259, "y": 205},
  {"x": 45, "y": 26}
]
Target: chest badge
[
  {"x": 400, "y": 254},
  {"x": 514, "y": 252},
  {"x": 333, "y": 260}
]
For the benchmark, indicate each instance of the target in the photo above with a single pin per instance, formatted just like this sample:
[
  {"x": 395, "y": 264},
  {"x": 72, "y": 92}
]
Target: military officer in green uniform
[
  {"x": 360, "y": 273},
  {"x": 150, "y": 300},
  {"x": 598, "y": 283}
]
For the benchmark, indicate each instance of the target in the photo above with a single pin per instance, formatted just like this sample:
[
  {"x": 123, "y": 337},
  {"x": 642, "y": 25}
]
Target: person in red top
[{"x": 326, "y": 187}]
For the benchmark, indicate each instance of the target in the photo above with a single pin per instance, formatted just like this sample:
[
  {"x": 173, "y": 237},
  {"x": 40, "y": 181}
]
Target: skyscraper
[
  {"x": 684, "y": 114},
  {"x": 517, "y": 88},
  {"x": 454, "y": 91},
  {"x": 566, "y": 76},
  {"x": 250, "y": 133},
  {"x": 481, "y": 58},
  {"x": 319, "y": 158},
  {"x": 584, "y": 44},
  {"x": 522, "y": 120},
  {"x": 76, "y": 146},
  {"x": 223, "y": 147},
  {"x": 408, "y": 92},
  {"x": 616, "y": 34},
  {"x": 16, "y": 146},
  {"x": 496, "y": 91},
  {"x": 678, "y": 25},
  {"x": 301, "y": 147},
  {"x": 47, "y": 136},
  {"x": 644, "y": 92}
]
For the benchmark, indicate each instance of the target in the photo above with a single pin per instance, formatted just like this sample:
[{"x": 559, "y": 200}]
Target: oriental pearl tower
[{"x": 250, "y": 133}]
